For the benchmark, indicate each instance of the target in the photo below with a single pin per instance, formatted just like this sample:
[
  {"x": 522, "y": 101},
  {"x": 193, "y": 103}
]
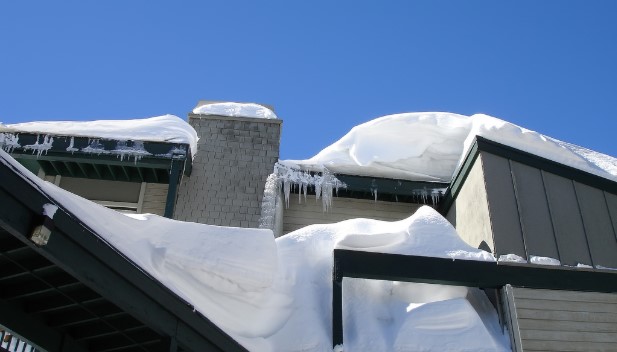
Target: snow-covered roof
[
  {"x": 275, "y": 295},
  {"x": 166, "y": 128},
  {"x": 429, "y": 146},
  {"x": 231, "y": 109}
]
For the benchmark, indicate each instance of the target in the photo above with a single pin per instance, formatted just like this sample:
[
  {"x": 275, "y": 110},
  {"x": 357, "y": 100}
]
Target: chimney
[{"x": 237, "y": 149}]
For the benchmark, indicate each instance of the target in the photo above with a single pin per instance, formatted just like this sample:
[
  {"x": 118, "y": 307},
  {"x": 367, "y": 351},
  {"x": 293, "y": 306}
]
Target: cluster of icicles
[
  {"x": 10, "y": 142},
  {"x": 325, "y": 184}
]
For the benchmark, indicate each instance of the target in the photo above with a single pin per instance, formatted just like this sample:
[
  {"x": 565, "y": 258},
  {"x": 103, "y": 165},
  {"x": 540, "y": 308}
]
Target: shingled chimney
[{"x": 237, "y": 149}]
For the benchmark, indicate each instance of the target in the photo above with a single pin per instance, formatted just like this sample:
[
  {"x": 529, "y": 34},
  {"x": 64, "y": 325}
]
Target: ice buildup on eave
[
  {"x": 429, "y": 146},
  {"x": 231, "y": 109},
  {"x": 166, "y": 128}
]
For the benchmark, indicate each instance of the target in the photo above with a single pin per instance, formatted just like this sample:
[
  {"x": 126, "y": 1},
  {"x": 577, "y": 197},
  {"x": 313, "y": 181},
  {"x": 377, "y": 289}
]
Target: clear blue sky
[{"x": 550, "y": 66}]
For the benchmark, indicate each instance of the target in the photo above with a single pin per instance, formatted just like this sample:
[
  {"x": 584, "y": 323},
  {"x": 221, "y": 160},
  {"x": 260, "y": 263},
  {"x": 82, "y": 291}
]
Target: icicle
[
  {"x": 9, "y": 141},
  {"x": 268, "y": 203},
  {"x": 137, "y": 151},
  {"x": 324, "y": 184},
  {"x": 286, "y": 191},
  {"x": 95, "y": 147},
  {"x": 176, "y": 150},
  {"x": 434, "y": 197},
  {"x": 42, "y": 147},
  {"x": 374, "y": 189},
  {"x": 71, "y": 148}
]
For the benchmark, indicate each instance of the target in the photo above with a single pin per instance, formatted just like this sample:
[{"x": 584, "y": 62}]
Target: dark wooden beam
[
  {"x": 174, "y": 179},
  {"x": 409, "y": 268}
]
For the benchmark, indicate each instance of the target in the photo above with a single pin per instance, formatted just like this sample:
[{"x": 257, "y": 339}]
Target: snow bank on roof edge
[
  {"x": 275, "y": 295},
  {"x": 429, "y": 146},
  {"x": 166, "y": 128},
  {"x": 236, "y": 110}
]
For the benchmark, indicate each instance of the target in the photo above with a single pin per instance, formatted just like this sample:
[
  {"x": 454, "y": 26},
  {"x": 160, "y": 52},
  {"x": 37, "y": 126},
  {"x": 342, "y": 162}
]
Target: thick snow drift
[
  {"x": 275, "y": 295},
  {"x": 166, "y": 128},
  {"x": 236, "y": 110},
  {"x": 429, "y": 146}
]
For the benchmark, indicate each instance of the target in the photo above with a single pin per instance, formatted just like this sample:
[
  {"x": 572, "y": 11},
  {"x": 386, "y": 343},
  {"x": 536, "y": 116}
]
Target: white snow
[
  {"x": 534, "y": 259},
  {"x": 275, "y": 295},
  {"x": 429, "y": 146},
  {"x": 166, "y": 128},
  {"x": 584, "y": 266},
  {"x": 236, "y": 110},
  {"x": 268, "y": 203},
  {"x": 512, "y": 258},
  {"x": 49, "y": 210},
  {"x": 453, "y": 319}
]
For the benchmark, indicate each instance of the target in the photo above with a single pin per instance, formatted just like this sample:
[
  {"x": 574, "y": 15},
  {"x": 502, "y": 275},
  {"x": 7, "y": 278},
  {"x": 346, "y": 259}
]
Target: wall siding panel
[
  {"x": 598, "y": 227},
  {"x": 611, "y": 203},
  {"x": 533, "y": 210},
  {"x": 563, "y": 213},
  {"x": 503, "y": 209},
  {"x": 567, "y": 220},
  {"x": 469, "y": 213},
  {"x": 310, "y": 212},
  {"x": 155, "y": 197},
  {"x": 551, "y": 320}
]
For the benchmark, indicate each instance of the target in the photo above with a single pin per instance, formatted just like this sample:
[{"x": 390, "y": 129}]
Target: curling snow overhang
[
  {"x": 77, "y": 293},
  {"x": 97, "y": 158}
]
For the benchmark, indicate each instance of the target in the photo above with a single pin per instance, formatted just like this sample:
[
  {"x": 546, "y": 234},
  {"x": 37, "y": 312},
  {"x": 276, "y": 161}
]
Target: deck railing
[{"x": 13, "y": 343}]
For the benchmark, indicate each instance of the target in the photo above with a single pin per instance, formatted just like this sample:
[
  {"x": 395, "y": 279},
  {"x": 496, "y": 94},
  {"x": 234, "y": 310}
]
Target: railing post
[
  {"x": 337, "y": 301},
  {"x": 174, "y": 179}
]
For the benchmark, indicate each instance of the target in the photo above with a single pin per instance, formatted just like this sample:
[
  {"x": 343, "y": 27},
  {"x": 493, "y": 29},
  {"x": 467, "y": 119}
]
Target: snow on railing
[{"x": 13, "y": 343}]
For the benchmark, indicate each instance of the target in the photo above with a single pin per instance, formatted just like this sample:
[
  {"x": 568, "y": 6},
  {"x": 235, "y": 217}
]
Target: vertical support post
[
  {"x": 172, "y": 191},
  {"x": 512, "y": 318},
  {"x": 337, "y": 303},
  {"x": 173, "y": 344}
]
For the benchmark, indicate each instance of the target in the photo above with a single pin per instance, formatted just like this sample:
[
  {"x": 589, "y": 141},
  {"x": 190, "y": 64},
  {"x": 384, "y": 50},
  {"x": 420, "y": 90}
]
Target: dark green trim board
[
  {"x": 84, "y": 290},
  {"x": 396, "y": 267},
  {"x": 459, "y": 178},
  {"x": 392, "y": 190},
  {"x": 389, "y": 190}
]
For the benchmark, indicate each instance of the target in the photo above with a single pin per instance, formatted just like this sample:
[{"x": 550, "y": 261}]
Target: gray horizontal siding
[
  {"x": 551, "y": 320},
  {"x": 155, "y": 197},
  {"x": 115, "y": 191},
  {"x": 535, "y": 214},
  {"x": 311, "y": 212}
]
